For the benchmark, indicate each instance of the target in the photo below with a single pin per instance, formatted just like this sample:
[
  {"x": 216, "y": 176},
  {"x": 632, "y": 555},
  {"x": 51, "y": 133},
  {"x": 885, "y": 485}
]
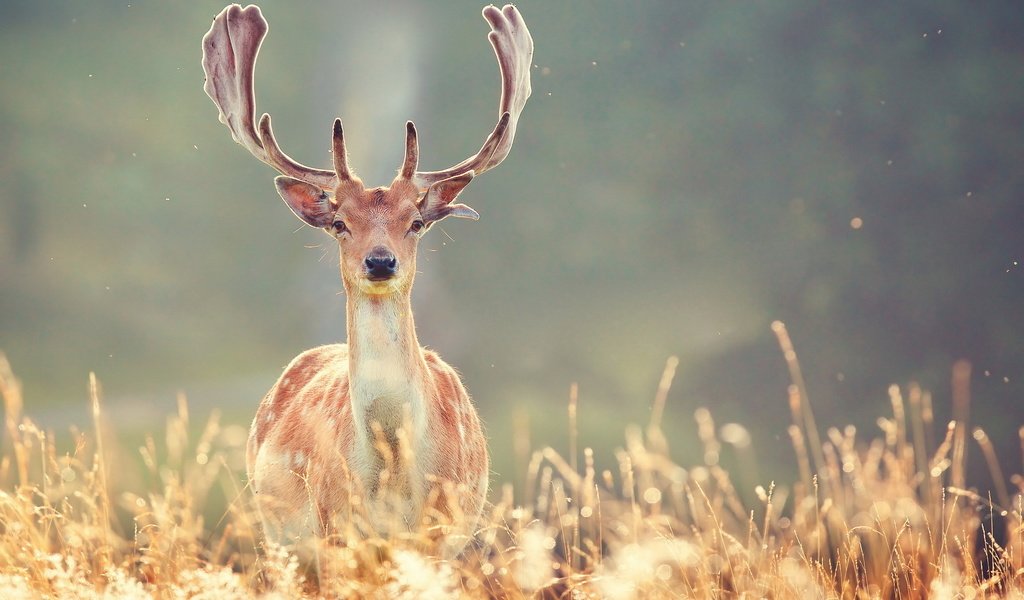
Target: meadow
[
  {"x": 883, "y": 515},
  {"x": 685, "y": 173}
]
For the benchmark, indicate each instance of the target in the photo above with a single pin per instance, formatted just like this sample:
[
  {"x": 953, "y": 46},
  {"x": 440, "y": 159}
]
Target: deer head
[{"x": 378, "y": 229}]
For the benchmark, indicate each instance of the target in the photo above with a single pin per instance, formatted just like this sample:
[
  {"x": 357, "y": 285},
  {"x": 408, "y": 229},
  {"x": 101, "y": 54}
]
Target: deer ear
[
  {"x": 438, "y": 202},
  {"x": 308, "y": 202}
]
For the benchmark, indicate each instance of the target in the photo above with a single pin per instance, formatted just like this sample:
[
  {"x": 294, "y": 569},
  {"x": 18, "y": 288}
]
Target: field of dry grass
[{"x": 885, "y": 517}]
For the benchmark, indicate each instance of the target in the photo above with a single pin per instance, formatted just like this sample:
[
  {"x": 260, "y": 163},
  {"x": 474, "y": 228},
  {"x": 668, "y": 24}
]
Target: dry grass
[{"x": 883, "y": 518}]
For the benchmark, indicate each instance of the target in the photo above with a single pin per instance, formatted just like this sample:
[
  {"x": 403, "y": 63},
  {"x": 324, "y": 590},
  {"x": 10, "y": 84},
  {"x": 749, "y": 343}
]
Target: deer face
[{"x": 378, "y": 229}]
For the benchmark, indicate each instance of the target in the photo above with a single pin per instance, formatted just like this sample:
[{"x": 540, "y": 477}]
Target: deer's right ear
[{"x": 308, "y": 202}]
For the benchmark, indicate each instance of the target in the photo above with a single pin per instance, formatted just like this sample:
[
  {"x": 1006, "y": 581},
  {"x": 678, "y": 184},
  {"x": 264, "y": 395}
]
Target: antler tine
[
  {"x": 340, "y": 155},
  {"x": 412, "y": 152},
  {"x": 229, "y": 61},
  {"x": 513, "y": 46}
]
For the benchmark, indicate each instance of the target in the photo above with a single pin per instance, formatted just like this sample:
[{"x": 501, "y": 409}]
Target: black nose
[{"x": 380, "y": 264}]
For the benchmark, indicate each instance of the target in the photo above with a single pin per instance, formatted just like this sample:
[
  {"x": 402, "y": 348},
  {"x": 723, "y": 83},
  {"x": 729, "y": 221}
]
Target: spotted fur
[{"x": 305, "y": 461}]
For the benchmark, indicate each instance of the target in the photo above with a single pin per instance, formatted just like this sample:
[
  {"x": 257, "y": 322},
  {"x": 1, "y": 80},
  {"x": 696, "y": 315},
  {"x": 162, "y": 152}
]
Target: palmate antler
[
  {"x": 229, "y": 60},
  {"x": 513, "y": 47}
]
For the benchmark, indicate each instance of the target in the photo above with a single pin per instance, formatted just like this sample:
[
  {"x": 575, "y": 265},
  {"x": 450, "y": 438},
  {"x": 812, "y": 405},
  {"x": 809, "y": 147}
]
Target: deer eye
[
  {"x": 417, "y": 226},
  {"x": 339, "y": 226}
]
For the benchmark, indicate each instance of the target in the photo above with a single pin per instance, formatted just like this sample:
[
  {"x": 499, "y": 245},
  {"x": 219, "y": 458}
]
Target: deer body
[
  {"x": 305, "y": 475},
  {"x": 376, "y": 436},
  {"x": 380, "y": 418}
]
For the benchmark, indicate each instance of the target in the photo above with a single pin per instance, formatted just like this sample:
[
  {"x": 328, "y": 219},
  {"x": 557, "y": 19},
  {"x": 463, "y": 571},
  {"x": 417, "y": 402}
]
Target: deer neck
[{"x": 386, "y": 368}]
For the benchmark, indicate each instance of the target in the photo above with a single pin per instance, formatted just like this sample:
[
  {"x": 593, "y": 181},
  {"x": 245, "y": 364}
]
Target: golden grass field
[{"x": 886, "y": 517}]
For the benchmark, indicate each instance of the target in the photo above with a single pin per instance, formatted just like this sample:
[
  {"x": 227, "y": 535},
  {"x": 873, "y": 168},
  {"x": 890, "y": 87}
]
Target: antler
[
  {"x": 229, "y": 60},
  {"x": 412, "y": 152},
  {"x": 513, "y": 47}
]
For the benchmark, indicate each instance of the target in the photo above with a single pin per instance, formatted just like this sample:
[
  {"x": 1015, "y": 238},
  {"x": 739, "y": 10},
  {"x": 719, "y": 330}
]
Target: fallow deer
[{"x": 378, "y": 430}]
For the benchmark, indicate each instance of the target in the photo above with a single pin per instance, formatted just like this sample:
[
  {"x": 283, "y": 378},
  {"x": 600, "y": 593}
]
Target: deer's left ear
[
  {"x": 438, "y": 202},
  {"x": 308, "y": 202}
]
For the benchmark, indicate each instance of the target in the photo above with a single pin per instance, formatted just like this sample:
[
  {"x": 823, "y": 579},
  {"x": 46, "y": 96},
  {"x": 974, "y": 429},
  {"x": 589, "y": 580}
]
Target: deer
[{"x": 376, "y": 436}]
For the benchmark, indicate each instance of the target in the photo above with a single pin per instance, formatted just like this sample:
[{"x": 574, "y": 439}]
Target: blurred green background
[{"x": 684, "y": 174}]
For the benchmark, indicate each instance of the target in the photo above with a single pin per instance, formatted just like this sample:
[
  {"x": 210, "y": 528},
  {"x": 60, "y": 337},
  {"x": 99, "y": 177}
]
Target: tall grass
[{"x": 887, "y": 517}]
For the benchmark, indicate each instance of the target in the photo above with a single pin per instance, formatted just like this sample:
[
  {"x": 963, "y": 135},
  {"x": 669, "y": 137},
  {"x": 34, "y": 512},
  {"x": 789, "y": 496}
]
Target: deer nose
[{"x": 381, "y": 264}]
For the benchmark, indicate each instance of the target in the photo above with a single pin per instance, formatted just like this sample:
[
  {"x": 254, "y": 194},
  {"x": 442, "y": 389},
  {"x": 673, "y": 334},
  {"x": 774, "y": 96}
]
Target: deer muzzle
[{"x": 380, "y": 264}]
